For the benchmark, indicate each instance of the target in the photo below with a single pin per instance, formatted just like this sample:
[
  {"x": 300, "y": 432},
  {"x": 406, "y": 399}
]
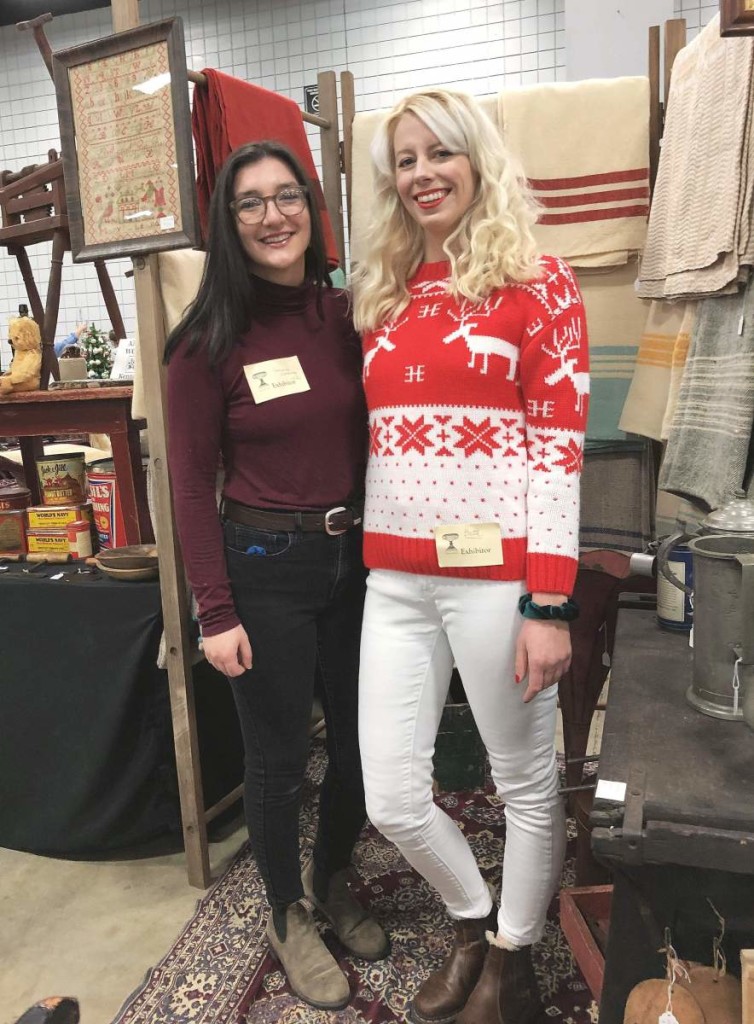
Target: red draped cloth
[{"x": 228, "y": 112}]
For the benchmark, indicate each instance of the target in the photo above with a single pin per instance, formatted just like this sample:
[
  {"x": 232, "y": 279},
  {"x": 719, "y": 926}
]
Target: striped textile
[
  {"x": 584, "y": 147},
  {"x": 659, "y": 364},
  {"x": 615, "y": 321},
  {"x": 699, "y": 240},
  {"x": 617, "y": 497},
  {"x": 710, "y": 433}
]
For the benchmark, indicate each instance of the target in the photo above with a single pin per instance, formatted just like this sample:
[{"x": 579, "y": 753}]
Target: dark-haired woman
[{"x": 264, "y": 370}]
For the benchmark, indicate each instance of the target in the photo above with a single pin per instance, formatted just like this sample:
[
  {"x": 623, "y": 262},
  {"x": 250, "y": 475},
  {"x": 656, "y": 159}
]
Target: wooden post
[
  {"x": 173, "y": 591},
  {"x": 172, "y": 587},
  {"x": 655, "y": 106},
  {"x": 329, "y": 138},
  {"x": 675, "y": 40},
  {"x": 348, "y": 103},
  {"x": 125, "y": 14},
  {"x": 747, "y": 985}
]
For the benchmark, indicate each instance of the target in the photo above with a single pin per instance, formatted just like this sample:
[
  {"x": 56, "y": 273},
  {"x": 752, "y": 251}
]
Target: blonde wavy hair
[{"x": 493, "y": 243}]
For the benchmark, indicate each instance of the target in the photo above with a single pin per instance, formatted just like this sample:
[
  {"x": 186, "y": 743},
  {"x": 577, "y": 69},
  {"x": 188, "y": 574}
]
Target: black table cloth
[{"x": 87, "y": 762}]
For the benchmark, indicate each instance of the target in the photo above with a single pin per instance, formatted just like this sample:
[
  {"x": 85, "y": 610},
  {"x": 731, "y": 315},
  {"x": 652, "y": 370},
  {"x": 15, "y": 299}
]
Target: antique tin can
[
  {"x": 103, "y": 494},
  {"x": 62, "y": 479},
  {"x": 47, "y": 542},
  {"x": 44, "y": 517},
  {"x": 80, "y": 538},
  {"x": 12, "y": 532},
  {"x": 674, "y": 607},
  {"x": 12, "y": 495}
]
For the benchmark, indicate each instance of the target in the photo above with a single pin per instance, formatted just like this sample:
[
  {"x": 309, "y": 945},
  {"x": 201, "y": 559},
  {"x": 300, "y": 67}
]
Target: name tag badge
[
  {"x": 275, "y": 378},
  {"x": 469, "y": 544}
]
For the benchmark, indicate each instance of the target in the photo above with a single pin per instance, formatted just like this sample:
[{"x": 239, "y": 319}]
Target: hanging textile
[
  {"x": 585, "y": 149},
  {"x": 228, "y": 112},
  {"x": 700, "y": 239}
]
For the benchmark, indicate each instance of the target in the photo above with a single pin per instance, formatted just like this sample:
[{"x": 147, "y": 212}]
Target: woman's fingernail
[{"x": 518, "y": 679}]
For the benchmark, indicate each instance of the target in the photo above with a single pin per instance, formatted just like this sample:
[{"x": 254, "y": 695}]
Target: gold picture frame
[
  {"x": 736, "y": 17},
  {"x": 125, "y": 129}
]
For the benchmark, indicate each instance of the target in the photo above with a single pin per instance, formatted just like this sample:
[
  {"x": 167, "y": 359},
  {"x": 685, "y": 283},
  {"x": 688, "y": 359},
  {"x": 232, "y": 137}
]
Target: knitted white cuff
[{"x": 498, "y": 940}]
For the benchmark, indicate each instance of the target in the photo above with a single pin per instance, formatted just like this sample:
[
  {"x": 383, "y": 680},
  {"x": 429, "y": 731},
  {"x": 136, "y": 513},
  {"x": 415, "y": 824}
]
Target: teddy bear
[{"x": 24, "y": 371}]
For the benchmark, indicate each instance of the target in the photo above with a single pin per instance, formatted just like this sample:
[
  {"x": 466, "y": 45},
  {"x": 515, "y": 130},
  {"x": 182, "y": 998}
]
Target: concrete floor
[{"x": 92, "y": 929}]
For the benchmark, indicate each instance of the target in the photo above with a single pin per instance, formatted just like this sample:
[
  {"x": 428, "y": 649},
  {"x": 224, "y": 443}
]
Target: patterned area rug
[{"x": 219, "y": 970}]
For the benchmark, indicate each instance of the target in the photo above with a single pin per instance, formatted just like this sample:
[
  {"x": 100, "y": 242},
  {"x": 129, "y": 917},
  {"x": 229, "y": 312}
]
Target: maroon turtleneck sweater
[{"x": 299, "y": 452}]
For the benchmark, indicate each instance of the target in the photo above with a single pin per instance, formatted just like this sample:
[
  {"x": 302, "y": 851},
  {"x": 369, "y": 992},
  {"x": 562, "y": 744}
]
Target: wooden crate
[{"x": 584, "y": 915}]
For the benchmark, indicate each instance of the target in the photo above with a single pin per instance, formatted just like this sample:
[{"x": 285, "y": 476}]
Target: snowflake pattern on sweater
[{"x": 477, "y": 413}]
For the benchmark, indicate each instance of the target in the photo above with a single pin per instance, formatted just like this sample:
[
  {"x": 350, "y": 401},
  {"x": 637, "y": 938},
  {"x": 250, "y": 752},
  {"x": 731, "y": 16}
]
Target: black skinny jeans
[{"x": 301, "y": 604}]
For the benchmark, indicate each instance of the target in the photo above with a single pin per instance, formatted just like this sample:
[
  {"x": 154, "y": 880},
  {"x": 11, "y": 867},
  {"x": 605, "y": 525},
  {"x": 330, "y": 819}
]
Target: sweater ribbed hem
[
  {"x": 412, "y": 554},
  {"x": 550, "y": 574}
]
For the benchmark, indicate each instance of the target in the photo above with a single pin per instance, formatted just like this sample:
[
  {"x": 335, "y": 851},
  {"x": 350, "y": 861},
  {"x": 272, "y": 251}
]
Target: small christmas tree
[{"x": 96, "y": 349}]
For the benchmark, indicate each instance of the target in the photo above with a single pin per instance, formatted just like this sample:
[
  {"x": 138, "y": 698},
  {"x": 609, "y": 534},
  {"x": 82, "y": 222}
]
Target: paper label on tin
[
  {"x": 671, "y": 602},
  {"x": 276, "y": 378},
  {"x": 608, "y": 790},
  {"x": 468, "y": 544}
]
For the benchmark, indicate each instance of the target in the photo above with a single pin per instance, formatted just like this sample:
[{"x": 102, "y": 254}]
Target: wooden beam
[
  {"x": 330, "y": 142},
  {"x": 655, "y": 108},
  {"x": 172, "y": 586},
  {"x": 348, "y": 105},
  {"x": 125, "y": 14},
  {"x": 675, "y": 40},
  {"x": 747, "y": 985}
]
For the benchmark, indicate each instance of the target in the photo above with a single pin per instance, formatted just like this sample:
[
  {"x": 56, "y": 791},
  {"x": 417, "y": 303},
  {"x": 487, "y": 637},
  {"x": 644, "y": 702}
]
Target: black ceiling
[{"x": 12, "y": 11}]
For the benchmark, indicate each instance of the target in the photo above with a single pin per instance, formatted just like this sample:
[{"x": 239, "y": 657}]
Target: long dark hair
[{"x": 224, "y": 305}]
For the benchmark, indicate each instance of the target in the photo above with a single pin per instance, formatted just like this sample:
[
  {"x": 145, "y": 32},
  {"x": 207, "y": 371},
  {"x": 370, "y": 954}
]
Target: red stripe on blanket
[
  {"x": 581, "y": 216},
  {"x": 613, "y": 195},
  {"x": 582, "y": 180}
]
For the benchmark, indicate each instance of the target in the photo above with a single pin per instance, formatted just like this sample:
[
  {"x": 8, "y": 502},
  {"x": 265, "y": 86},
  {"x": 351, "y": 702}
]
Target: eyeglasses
[{"x": 252, "y": 209}]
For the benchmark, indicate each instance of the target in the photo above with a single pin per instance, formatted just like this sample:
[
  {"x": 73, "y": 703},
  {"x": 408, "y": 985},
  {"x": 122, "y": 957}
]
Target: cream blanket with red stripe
[{"x": 585, "y": 149}]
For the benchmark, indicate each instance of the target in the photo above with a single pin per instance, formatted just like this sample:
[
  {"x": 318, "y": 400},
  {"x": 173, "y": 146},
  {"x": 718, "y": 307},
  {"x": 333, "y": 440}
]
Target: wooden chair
[{"x": 33, "y": 210}]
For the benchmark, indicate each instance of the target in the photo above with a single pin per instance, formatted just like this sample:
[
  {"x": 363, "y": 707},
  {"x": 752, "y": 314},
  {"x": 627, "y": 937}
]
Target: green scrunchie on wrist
[{"x": 566, "y": 612}]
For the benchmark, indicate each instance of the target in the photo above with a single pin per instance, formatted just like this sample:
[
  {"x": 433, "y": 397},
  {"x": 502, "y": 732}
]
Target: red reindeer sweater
[{"x": 477, "y": 414}]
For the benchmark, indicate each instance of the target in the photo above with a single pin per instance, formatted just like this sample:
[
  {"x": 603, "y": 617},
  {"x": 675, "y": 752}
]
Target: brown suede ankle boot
[
  {"x": 312, "y": 971},
  {"x": 507, "y": 991},
  {"x": 443, "y": 995}
]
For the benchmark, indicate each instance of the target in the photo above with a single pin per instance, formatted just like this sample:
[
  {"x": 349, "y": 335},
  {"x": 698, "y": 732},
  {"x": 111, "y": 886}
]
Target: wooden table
[
  {"x": 31, "y": 415},
  {"x": 684, "y": 835}
]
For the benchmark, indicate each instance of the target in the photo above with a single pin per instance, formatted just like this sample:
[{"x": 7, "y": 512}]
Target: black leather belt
[{"x": 334, "y": 521}]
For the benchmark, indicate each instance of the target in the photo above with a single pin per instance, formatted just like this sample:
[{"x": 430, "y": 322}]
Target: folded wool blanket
[
  {"x": 615, "y": 321},
  {"x": 362, "y": 178},
  {"x": 699, "y": 235},
  {"x": 228, "y": 112},
  {"x": 617, "y": 496},
  {"x": 708, "y": 443},
  {"x": 662, "y": 352},
  {"x": 585, "y": 149}
]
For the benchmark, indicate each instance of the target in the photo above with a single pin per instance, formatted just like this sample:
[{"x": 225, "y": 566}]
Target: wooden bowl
[
  {"x": 133, "y": 556},
  {"x": 144, "y": 573}
]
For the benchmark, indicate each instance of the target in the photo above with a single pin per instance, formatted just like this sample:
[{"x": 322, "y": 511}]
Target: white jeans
[{"x": 414, "y": 628}]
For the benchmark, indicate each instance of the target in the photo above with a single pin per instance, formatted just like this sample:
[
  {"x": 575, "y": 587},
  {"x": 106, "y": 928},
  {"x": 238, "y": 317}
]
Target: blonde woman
[{"x": 475, "y": 370}]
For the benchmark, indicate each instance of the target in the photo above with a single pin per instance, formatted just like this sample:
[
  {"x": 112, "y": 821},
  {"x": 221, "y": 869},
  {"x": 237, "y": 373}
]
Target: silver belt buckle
[{"x": 333, "y": 512}]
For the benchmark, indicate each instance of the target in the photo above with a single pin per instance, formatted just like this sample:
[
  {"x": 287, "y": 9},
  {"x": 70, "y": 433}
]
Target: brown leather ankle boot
[
  {"x": 445, "y": 992},
  {"x": 507, "y": 991}
]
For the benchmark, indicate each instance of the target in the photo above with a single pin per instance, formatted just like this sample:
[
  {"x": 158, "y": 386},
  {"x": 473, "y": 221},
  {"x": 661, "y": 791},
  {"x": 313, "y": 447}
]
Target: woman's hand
[
  {"x": 228, "y": 652},
  {"x": 543, "y": 652}
]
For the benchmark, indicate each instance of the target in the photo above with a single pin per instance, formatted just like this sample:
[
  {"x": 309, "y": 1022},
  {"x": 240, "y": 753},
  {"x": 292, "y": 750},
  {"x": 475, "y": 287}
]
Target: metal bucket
[{"x": 723, "y": 675}]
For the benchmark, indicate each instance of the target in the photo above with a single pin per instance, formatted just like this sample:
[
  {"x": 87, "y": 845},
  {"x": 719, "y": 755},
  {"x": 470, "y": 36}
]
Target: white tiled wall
[
  {"x": 391, "y": 46},
  {"x": 697, "y": 13}
]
